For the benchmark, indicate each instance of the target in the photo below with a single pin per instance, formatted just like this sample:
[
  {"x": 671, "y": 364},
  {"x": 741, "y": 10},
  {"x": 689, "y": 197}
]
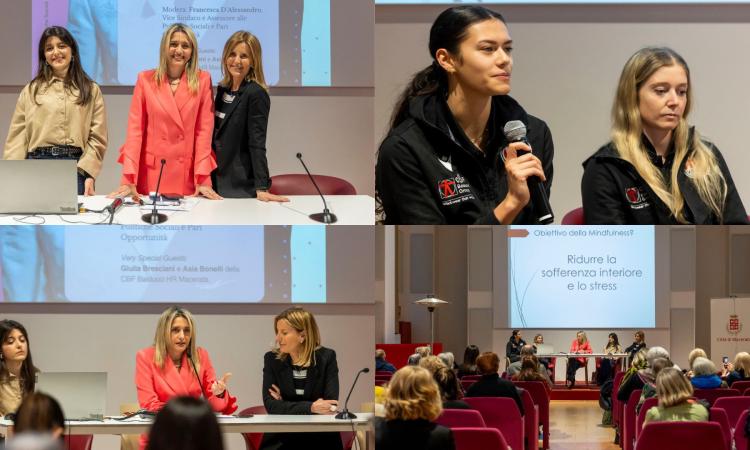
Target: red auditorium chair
[
  {"x": 741, "y": 385},
  {"x": 461, "y": 418},
  {"x": 740, "y": 440},
  {"x": 574, "y": 217},
  {"x": 627, "y": 434},
  {"x": 300, "y": 184},
  {"x": 383, "y": 374},
  {"x": 530, "y": 421},
  {"x": 718, "y": 415},
  {"x": 541, "y": 398},
  {"x": 647, "y": 404},
  {"x": 616, "y": 404},
  {"x": 479, "y": 438},
  {"x": 712, "y": 394},
  {"x": 734, "y": 406},
  {"x": 79, "y": 441},
  {"x": 471, "y": 377},
  {"x": 680, "y": 436},
  {"x": 252, "y": 440},
  {"x": 502, "y": 414},
  {"x": 466, "y": 383}
]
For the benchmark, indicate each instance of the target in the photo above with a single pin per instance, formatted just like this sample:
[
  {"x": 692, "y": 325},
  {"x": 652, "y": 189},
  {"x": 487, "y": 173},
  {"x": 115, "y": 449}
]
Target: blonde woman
[
  {"x": 675, "y": 399},
  {"x": 739, "y": 370},
  {"x": 241, "y": 122},
  {"x": 300, "y": 377},
  {"x": 694, "y": 353},
  {"x": 175, "y": 366},
  {"x": 170, "y": 124},
  {"x": 657, "y": 169},
  {"x": 412, "y": 403},
  {"x": 579, "y": 345}
]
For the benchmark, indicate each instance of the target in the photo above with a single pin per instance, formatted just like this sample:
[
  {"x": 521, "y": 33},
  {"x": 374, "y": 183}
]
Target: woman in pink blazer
[
  {"x": 579, "y": 345},
  {"x": 175, "y": 366},
  {"x": 171, "y": 122}
]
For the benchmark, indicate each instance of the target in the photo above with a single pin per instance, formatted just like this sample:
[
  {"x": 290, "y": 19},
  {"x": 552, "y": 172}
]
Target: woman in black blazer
[
  {"x": 412, "y": 403},
  {"x": 300, "y": 377},
  {"x": 242, "y": 106}
]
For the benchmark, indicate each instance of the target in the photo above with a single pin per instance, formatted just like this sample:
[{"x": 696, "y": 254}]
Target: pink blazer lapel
[
  {"x": 177, "y": 379},
  {"x": 182, "y": 96},
  {"x": 167, "y": 100}
]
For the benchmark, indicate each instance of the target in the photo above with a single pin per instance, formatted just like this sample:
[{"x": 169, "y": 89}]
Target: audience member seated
[
  {"x": 606, "y": 370},
  {"x": 450, "y": 389},
  {"x": 448, "y": 359},
  {"x": 675, "y": 399},
  {"x": 381, "y": 365},
  {"x": 469, "y": 366},
  {"x": 649, "y": 388},
  {"x": 704, "y": 374},
  {"x": 530, "y": 371},
  {"x": 631, "y": 380},
  {"x": 639, "y": 343},
  {"x": 739, "y": 370},
  {"x": 694, "y": 353},
  {"x": 40, "y": 413},
  {"x": 185, "y": 423},
  {"x": 431, "y": 363},
  {"x": 412, "y": 403},
  {"x": 513, "y": 347},
  {"x": 490, "y": 384},
  {"x": 515, "y": 368},
  {"x": 419, "y": 353},
  {"x": 579, "y": 345}
]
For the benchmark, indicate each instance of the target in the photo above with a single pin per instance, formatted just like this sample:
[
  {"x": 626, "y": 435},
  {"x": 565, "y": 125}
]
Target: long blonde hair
[
  {"x": 304, "y": 323},
  {"x": 627, "y": 129},
  {"x": 163, "y": 335},
  {"x": 191, "y": 68},
  {"x": 256, "y": 57}
]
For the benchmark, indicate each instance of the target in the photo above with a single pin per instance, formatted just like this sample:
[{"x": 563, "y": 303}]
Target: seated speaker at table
[
  {"x": 60, "y": 113},
  {"x": 300, "y": 377},
  {"x": 170, "y": 120},
  {"x": 17, "y": 371},
  {"x": 176, "y": 366}
]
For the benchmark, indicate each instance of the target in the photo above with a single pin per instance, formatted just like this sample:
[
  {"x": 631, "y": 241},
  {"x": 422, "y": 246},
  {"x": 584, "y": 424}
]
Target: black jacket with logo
[
  {"x": 615, "y": 194},
  {"x": 429, "y": 173}
]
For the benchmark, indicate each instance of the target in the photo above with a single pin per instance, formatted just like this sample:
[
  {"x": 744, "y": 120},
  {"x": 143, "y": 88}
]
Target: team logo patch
[
  {"x": 454, "y": 190},
  {"x": 636, "y": 198}
]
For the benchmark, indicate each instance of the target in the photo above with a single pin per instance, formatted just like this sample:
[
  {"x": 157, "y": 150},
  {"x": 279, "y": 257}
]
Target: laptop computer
[
  {"x": 545, "y": 349},
  {"x": 82, "y": 395},
  {"x": 43, "y": 186}
]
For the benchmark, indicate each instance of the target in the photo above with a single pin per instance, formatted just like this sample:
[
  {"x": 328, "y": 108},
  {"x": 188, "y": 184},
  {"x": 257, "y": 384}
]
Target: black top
[
  {"x": 633, "y": 349},
  {"x": 513, "y": 349},
  {"x": 494, "y": 386},
  {"x": 614, "y": 193},
  {"x": 456, "y": 404},
  {"x": 240, "y": 141},
  {"x": 412, "y": 435},
  {"x": 429, "y": 173},
  {"x": 633, "y": 383},
  {"x": 322, "y": 382}
]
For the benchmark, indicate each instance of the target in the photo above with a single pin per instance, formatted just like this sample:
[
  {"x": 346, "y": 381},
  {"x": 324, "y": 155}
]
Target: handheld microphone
[
  {"x": 113, "y": 207},
  {"x": 326, "y": 216},
  {"x": 154, "y": 217},
  {"x": 515, "y": 131},
  {"x": 345, "y": 414},
  {"x": 190, "y": 358}
]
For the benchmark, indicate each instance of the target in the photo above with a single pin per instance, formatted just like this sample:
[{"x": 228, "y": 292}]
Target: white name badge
[{"x": 220, "y": 114}]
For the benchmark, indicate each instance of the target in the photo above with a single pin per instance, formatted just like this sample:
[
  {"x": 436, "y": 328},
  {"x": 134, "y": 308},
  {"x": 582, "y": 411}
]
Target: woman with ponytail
[
  {"x": 657, "y": 169},
  {"x": 445, "y": 159}
]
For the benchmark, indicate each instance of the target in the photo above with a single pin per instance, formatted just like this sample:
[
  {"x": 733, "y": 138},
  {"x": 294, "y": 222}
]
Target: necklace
[{"x": 477, "y": 141}]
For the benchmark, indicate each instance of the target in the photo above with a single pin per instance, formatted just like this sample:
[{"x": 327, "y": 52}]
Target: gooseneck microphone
[
  {"x": 326, "y": 216},
  {"x": 345, "y": 414},
  {"x": 154, "y": 217},
  {"x": 190, "y": 360},
  {"x": 515, "y": 131}
]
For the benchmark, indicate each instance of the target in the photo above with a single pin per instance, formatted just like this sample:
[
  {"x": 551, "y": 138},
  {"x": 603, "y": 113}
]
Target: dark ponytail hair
[
  {"x": 448, "y": 31},
  {"x": 28, "y": 371},
  {"x": 76, "y": 76}
]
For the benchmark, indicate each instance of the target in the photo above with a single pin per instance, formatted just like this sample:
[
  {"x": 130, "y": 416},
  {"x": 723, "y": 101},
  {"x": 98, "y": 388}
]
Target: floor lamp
[{"x": 431, "y": 302}]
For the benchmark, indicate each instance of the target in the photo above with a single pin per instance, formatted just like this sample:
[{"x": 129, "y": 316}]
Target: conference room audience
[
  {"x": 381, "y": 364},
  {"x": 60, "y": 113},
  {"x": 643, "y": 373},
  {"x": 445, "y": 159},
  {"x": 516, "y": 367},
  {"x": 412, "y": 403},
  {"x": 241, "y": 123},
  {"x": 175, "y": 366},
  {"x": 450, "y": 389},
  {"x": 639, "y": 342},
  {"x": 657, "y": 169},
  {"x": 185, "y": 423},
  {"x": 530, "y": 371},
  {"x": 513, "y": 346},
  {"x": 300, "y": 376},
  {"x": 739, "y": 370},
  {"x": 171, "y": 119},
  {"x": 469, "y": 364},
  {"x": 694, "y": 353},
  {"x": 705, "y": 374},
  {"x": 449, "y": 359},
  {"x": 490, "y": 384},
  {"x": 649, "y": 387},
  {"x": 675, "y": 399},
  {"x": 17, "y": 370},
  {"x": 40, "y": 413},
  {"x": 607, "y": 365},
  {"x": 579, "y": 345}
]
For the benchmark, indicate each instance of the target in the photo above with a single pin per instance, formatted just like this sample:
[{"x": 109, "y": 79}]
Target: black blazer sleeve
[
  {"x": 272, "y": 369},
  {"x": 548, "y": 156},
  {"x": 602, "y": 203},
  {"x": 734, "y": 210},
  {"x": 441, "y": 438},
  {"x": 258, "y": 109},
  {"x": 330, "y": 376}
]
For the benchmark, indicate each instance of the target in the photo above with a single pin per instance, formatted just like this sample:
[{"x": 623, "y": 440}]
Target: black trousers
[{"x": 573, "y": 366}]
